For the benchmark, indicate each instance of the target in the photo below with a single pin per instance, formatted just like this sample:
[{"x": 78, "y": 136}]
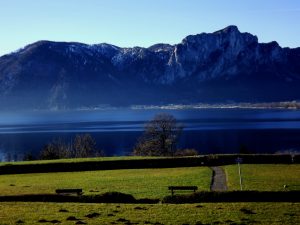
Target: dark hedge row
[
  {"x": 198, "y": 197},
  {"x": 207, "y": 160},
  {"x": 235, "y": 196},
  {"x": 108, "y": 197}
]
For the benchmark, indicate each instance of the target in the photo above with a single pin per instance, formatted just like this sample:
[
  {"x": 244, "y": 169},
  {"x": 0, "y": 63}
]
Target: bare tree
[
  {"x": 56, "y": 149},
  {"x": 160, "y": 137},
  {"x": 84, "y": 146}
]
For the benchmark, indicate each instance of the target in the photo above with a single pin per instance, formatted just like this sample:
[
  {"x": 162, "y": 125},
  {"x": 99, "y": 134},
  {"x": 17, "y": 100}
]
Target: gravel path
[{"x": 218, "y": 182}]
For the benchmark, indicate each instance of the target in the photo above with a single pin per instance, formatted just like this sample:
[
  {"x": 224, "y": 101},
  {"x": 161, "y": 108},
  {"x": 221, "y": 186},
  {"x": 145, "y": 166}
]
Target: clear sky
[{"x": 128, "y": 23}]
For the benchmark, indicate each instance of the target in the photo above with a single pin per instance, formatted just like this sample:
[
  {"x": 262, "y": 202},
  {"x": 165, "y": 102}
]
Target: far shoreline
[{"x": 288, "y": 105}]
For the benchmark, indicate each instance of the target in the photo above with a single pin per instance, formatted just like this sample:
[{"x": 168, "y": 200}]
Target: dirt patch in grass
[
  {"x": 247, "y": 211},
  {"x": 92, "y": 215},
  {"x": 72, "y": 218},
  {"x": 63, "y": 210}
]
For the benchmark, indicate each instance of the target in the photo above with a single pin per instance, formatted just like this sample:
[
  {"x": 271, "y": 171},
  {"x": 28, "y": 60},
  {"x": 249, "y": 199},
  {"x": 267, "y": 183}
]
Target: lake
[{"x": 117, "y": 130}]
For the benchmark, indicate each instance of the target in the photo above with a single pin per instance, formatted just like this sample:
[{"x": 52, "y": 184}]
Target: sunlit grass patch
[
  {"x": 141, "y": 183},
  {"x": 264, "y": 177}
]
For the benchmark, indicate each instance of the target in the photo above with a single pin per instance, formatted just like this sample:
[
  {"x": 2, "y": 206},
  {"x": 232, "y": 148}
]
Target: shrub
[
  {"x": 83, "y": 146},
  {"x": 186, "y": 152},
  {"x": 56, "y": 149},
  {"x": 116, "y": 197},
  {"x": 29, "y": 156}
]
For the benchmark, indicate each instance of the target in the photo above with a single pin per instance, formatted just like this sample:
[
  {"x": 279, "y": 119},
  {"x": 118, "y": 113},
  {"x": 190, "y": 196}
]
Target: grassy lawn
[
  {"x": 142, "y": 183},
  {"x": 206, "y": 213},
  {"x": 264, "y": 177}
]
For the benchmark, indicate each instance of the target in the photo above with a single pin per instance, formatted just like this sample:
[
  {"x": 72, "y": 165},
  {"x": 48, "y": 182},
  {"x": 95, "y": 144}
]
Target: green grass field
[
  {"x": 264, "y": 177},
  {"x": 141, "y": 183},
  {"x": 206, "y": 213},
  {"x": 151, "y": 183}
]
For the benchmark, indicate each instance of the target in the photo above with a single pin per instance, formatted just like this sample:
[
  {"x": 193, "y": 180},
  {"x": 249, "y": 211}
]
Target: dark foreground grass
[
  {"x": 141, "y": 183},
  {"x": 264, "y": 177},
  {"x": 205, "y": 213}
]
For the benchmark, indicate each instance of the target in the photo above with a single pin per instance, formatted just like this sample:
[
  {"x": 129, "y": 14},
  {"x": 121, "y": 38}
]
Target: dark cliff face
[{"x": 226, "y": 65}]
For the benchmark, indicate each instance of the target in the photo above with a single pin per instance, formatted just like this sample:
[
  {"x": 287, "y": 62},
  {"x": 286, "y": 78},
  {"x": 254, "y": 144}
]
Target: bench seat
[{"x": 183, "y": 188}]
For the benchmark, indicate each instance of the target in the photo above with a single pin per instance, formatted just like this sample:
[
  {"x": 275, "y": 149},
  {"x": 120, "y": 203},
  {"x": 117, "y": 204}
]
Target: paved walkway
[{"x": 218, "y": 182}]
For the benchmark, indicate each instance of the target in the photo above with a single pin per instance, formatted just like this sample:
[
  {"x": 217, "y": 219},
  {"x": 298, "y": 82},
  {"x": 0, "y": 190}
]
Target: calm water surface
[{"x": 116, "y": 131}]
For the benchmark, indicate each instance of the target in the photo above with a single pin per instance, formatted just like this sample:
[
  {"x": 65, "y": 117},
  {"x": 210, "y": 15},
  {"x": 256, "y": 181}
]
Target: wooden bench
[
  {"x": 183, "y": 188},
  {"x": 77, "y": 191}
]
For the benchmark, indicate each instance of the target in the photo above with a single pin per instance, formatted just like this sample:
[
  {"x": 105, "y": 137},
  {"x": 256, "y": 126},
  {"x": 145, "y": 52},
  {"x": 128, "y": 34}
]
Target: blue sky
[{"x": 128, "y": 23}]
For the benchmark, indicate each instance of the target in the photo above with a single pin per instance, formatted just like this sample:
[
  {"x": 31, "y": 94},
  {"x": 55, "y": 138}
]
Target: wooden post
[
  {"x": 239, "y": 160},
  {"x": 240, "y": 174}
]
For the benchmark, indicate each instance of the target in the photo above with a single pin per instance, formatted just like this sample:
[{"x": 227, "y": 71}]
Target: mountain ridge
[{"x": 222, "y": 66}]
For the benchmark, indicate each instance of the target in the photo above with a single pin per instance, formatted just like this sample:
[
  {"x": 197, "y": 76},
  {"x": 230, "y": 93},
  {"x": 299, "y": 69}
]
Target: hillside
[{"x": 224, "y": 66}]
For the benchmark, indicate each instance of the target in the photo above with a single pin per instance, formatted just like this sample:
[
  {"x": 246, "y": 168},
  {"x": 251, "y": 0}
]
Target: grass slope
[
  {"x": 142, "y": 183},
  {"x": 264, "y": 177},
  {"x": 206, "y": 213}
]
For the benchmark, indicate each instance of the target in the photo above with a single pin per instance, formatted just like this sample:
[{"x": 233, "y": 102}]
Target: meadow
[
  {"x": 141, "y": 183},
  {"x": 205, "y": 213},
  {"x": 151, "y": 183},
  {"x": 264, "y": 177}
]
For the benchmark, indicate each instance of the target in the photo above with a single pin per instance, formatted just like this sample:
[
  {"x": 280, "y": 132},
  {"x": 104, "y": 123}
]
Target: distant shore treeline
[{"x": 241, "y": 105}]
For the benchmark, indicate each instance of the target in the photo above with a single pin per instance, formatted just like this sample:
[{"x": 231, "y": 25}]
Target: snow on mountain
[{"x": 226, "y": 65}]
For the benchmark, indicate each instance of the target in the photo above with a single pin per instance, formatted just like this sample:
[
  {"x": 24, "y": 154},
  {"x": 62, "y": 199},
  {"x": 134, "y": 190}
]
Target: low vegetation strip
[
  {"x": 74, "y": 160},
  {"x": 101, "y": 165},
  {"x": 108, "y": 197},
  {"x": 141, "y": 163},
  {"x": 198, "y": 197},
  {"x": 235, "y": 196}
]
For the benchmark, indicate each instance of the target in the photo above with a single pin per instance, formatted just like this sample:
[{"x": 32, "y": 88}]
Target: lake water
[{"x": 117, "y": 130}]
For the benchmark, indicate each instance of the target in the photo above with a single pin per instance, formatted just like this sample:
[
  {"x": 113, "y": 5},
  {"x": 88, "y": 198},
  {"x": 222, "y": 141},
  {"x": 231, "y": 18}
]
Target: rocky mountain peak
[
  {"x": 161, "y": 47},
  {"x": 219, "y": 66},
  {"x": 228, "y": 29}
]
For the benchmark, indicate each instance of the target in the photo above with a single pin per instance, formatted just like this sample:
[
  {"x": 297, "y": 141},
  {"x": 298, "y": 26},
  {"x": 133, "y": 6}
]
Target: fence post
[{"x": 239, "y": 160}]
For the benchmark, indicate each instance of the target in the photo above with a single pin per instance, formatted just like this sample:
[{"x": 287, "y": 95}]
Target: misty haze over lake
[{"x": 117, "y": 130}]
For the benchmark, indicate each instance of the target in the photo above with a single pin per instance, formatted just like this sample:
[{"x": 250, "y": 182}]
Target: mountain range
[{"x": 219, "y": 67}]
